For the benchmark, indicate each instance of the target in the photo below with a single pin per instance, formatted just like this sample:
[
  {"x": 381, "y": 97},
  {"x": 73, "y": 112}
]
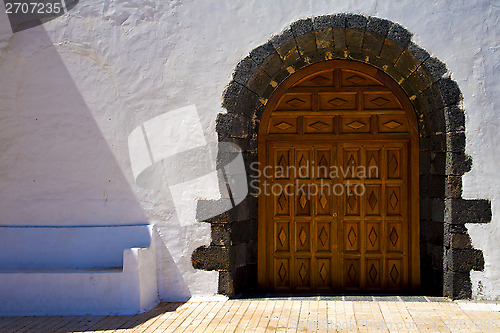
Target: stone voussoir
[{"x": 461, "y": 211}]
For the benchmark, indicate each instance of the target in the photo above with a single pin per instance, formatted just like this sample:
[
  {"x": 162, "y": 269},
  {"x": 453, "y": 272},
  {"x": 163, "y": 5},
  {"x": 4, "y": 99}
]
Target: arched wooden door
[{"x": 326, "y": 225}]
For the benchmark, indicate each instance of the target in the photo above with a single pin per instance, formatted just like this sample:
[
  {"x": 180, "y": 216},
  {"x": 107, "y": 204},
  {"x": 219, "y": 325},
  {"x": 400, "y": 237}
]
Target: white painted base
[{"x": 71, "y": 291}]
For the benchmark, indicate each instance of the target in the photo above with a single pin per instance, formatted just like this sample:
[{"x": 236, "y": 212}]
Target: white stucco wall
[{"x": 73, "y": 89}]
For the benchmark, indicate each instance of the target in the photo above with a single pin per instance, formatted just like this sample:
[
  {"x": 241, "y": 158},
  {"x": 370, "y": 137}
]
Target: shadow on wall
[
  {"x": 29, "y": 14},
  {"x": 57, "y": 170}
]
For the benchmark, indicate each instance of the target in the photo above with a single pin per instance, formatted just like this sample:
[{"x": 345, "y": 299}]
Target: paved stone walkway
[{"x": 308, "y": 314}]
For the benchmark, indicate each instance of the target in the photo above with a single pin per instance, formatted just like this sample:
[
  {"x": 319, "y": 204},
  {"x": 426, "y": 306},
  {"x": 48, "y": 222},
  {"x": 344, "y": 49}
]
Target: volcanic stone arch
[{"x": 446, "y": 253}]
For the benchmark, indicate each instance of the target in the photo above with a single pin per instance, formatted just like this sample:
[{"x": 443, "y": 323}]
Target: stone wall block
[
  {"x": 258, "y": 82},
  {"x": 463, "y": 260},
  {"x": 431, "y": 98},
  {"x": 461, "y": 211},
  {"x": 420, "y": 80},
  {"x": 455, "y": 142},
  {"x": 221, "y": 234},
  {"x": 355, "y": 31},
  {"x": 378, "y": 26},
  {"x": 223, "y": 125},
  {"x": 406, "y": 63},
  {"x": 262, "y": 52},
  {"x": 438, "y": 210},
  {"x": 324, "y": 39},
  {"x": 288, "y": 52},
  {"x": 435, "y": 67},
  {"x": 454, "y": 118},
  {"x": 302, "y": 27},
  {"x": 226, "y": 284},
  {"x": 204, "y": 209},
  {"x": 418, "y": 52},
  {"x": 460, "y": 241},
  {"x": 399, "y": 34},
  {"x": 213, "y": 258},
  {"x": 244, "y": 70},
  {"x": 438, "y": 164},
  {"x": 425, "y": 162},
  {"x": 453, "y": 187},
  {"x": 272, "y": 64},
  {"x": 323, "y": 22},
  {"x": 391, "y": 51},
  {"x": 457, "y": 285},
  {"x": 458, "y": 164},
  {"x": 339, "y": 39},
  {"x": 432, "y": 186},
  {"x": 432, "y": 232},
  {"x": 372, "y": 43},
  {"x": 449, "y": 91},
  {"x": 306, "y": 43}
]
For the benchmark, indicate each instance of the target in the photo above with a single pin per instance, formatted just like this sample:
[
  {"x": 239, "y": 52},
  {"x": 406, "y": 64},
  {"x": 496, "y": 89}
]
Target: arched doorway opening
[
  {"x": 338, "y": 201},
  {"x": 446, "y": 253}
]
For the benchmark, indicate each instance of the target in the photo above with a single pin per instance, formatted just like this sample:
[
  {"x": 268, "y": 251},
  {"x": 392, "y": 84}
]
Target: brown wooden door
[{"x": 338, "y": 208}]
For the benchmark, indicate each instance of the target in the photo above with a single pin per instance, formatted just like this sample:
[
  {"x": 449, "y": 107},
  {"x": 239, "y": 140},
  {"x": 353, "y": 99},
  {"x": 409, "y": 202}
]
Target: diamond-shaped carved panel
[
  {"x": 295, "y": 102},
  {"x": 352, "y": 273},
  {"x": 323, "y": 273},
  {"x": 323, "y": 236},
  {"x": 372, "y": 200},
  {"x": 394, "y": 273},
  {"x": 393, "y": 124},
  {"x": 323, "y": 160},
  {"x": 372, "y": 237},
  {"x": 351, "y": 78},
  {"x": 352, "y": 201},
  {"x": 372, "y": 162},
  {"x": 302, "y": 236},
  {"x": 351, "y": 237},
  {"x": 282, "y": 236},
  {"x": 372, "y": 167},
  {"x": 380, "y": 101},
  {"x": 283, "y": 125},
  {"x": 351, "y": 163},
  {"x": 303, "y": 272},
  {"x": 282, "y": 167},
  {"x": 356, "y": 79},
  {"x": 323, "y": 201},
  {"x": 353, "y": 124},
  {"x": 393, "y": 164},
  {"x": 319, "y": 80},
  {"x": 372, "y": 273},
  {"x": 319, "y": 125},
  {"x": 393, "y": 237},
  {"x": 338, "y": 101},
  {"x": 282, "y": 204},
  {"x": 303, "y": 201},
  {"x": 282, "y": 272},
  {"x": 356, "y": 124},
  {"x": 350, "y": 169},
  {"x": 393, "y": 200},
  {"x": 303, "y": 163}
]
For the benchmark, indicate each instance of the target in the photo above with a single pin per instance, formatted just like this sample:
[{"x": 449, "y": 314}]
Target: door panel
[
  {"x": 352, "y": 232},
  {"x": 336, "y": 187}
]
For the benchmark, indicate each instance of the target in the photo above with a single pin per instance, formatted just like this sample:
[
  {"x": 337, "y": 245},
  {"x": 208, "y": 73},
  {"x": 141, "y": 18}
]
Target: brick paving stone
[{"x": 273, "y": 314}]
